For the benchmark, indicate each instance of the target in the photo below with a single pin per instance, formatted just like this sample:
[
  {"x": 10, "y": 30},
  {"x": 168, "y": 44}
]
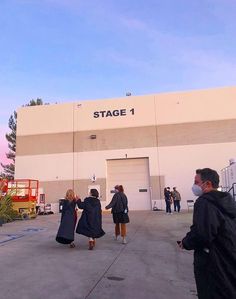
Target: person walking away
[
  {"x": 65, "y": 234},
  {"x": 212, "y": 236},
  {"x": 168, "y": 199},
  {"x": 90, "y": 222},
  {"x": 119, "y": 210},
  {"x": 176, "y": 198}
]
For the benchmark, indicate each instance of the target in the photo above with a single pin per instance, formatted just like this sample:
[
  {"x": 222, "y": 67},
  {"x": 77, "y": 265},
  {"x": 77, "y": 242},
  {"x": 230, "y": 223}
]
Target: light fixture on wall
[{"x": 93, "y": 136}]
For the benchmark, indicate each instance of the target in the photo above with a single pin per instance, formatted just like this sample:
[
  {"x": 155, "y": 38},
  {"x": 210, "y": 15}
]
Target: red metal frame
[{"x": 27, "y": 186}]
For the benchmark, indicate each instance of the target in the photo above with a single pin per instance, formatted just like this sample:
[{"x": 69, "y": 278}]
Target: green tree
[
  {"x": 9, "y": 169},
  {"x": 35, "y": 102}
]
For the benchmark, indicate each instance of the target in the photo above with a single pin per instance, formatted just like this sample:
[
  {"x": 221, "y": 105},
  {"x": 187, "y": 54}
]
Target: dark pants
[
  {"x": 176, "y": 205},
  {"x": 201, "y": 275},
  {"x": 168, "y": 206}
]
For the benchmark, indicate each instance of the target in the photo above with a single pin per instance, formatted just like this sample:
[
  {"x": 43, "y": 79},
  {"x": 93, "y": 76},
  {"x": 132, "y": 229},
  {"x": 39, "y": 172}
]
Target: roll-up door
[{"x": 133, "y": 174}]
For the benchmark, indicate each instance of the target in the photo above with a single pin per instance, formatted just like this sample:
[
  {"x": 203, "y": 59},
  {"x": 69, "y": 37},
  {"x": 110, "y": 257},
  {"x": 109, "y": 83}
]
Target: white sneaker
[{"x": 124, "y": 241}]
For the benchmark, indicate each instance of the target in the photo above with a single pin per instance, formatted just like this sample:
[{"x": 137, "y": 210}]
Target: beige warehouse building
[{"x": 142, "y": 142}]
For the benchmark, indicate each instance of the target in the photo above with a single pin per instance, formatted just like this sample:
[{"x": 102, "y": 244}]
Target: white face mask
[{"x": 197, "y": 190}]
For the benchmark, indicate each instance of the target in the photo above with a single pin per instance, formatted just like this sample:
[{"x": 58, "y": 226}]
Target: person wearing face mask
[{"x": 212, "y": 236}]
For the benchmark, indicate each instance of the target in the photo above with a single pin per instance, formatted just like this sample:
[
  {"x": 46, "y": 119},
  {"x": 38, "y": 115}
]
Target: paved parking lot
[{"x": 150, "y": 265}]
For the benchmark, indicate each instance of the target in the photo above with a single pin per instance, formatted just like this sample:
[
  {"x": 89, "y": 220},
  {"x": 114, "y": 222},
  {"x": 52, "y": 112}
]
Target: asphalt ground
[{"x": 34, "y": 266}]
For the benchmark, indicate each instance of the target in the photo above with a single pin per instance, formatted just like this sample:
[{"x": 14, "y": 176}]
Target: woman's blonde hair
[{"x": 70, "y": 194}]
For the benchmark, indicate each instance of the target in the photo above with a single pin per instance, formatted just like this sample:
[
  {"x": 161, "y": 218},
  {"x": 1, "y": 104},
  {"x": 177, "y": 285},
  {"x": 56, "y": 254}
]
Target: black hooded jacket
[
  {"x": 90, "y": 223},
  {"x": 214, "y": 233}
]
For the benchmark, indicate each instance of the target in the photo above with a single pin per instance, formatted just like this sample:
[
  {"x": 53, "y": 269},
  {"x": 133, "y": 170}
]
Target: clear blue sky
[{"x": 66, "y": 50}]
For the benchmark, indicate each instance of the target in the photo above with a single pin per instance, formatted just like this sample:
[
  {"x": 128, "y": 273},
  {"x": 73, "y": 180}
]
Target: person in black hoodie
[
  {"x": 212, "y": 236},
  {"x": 90, "y": 222}
]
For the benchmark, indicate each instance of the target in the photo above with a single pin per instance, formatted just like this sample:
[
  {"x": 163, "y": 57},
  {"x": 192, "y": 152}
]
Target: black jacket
[
  {"x": 167, "y": 195},
  {"x": 66, "y": 229},
  {"x": 213, "y": 238},
  {"x": 90, "y": 223},
  {"x": 119, "y": 203}
]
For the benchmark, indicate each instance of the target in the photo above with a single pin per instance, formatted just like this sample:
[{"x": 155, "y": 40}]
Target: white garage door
[{"x": 133, "y": 174}]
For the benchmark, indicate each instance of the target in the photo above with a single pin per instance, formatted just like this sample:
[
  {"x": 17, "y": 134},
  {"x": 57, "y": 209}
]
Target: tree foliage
[
  {"x": 7, "y": 213},
  {"x": 35, "y": 102},
  {"x": 9, "y": 169}
]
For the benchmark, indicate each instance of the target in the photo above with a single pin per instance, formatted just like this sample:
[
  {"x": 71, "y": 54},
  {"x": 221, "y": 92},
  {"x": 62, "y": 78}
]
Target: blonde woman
[{"x": 66, "y": 229}]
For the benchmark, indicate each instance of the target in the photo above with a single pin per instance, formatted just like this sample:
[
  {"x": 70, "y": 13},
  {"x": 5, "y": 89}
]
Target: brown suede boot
[
  {"x": 72, "y": 245},
  {"x": 91, "y": 245}
]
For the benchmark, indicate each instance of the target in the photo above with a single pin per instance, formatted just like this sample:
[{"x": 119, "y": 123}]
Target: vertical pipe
[
  {"x": 73, "y": 146},
  {"x": 157, "y": 150}
]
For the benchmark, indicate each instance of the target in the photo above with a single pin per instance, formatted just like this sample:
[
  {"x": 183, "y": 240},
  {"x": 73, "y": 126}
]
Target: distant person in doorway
[
  {"x": 176, "y": 198},
  {"x": 90, "y": 222},
  {"x": 119, "y": 209},
  {"x": 168, "y": 199},
  {"x": 212, "y": 236},
  {"x": 66, "y": 229}
]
